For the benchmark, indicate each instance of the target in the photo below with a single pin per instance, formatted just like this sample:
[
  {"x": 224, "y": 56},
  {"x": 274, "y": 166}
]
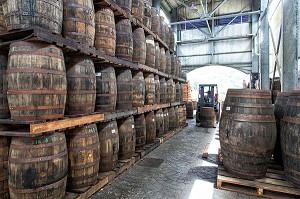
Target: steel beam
[
  {"x": 255, "y": 42},
  {"x": 290, "y": 44},
  {"x": 221, "y": 53},
  {"x": 264, "y": 48},
  {"x": 215, "y": 10},
  {"x": 215, "y": 39},
  {"x": 216, "y": 17}
]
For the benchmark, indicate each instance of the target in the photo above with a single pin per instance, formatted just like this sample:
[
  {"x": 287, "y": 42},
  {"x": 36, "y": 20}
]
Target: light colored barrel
[{"x": 138, "y": 82}]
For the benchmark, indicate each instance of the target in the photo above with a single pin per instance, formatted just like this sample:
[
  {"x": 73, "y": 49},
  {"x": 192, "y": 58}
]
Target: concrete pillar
[
  {"x": 264, "y": 48},
  {"x": 255, "y": 57},
  {"x": 156, "y": 4},
  {"x": 290, "y": 44}
]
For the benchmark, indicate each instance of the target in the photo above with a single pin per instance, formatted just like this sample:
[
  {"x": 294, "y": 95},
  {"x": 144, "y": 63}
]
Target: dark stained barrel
[
  {"x": 247, "y": 132},
  {"x": 178, "y": 92},
  {"x": 157, "y": 56},
  {"x": 157, "y": 89},
  {"x": 155, "y": 21},
  {"x": 2, "y": 24},
  {"x": 138, "y": 89},
  {"x": 105, "y": 31},
  {"x": 139, "y": 46},
  {"x": 162, "y": 34},
  {"x": 189, "y": 109},
  {"x": 109, "y": 145},
  {"x": 150, "y": 51},
  {"x": 4, "y": 150},
  {"x": 168, "y": 62},
  {"x": 106, "y": 89},
  {"x": 36, "y": 89},
  {"x": 81, "y": 84},
  {"x": 20, "y": 14},
  {"x": 127, "y": 138},
  {"x": 124, "y": 89},
  {"x": 290, "y": 139},
  {"x": 84, "y": 156},
  {"x": 173, "y": 65},
  {"x": 182, "y": 115},
  {"x": 124, "y": 41},
  {"x": 150, "y": 88},
  {"x": 147, "y": 20},
  {"x": 163, "y": 62},
  {"x": 172, "y": 119},
  {"x": 163, "y": 91},
  {"x": 159, "y": 118},
  {"x": 166, "y": 120},
  {"x": 79, "y": 21},
  {"x": 150, "y": 127},
  {"x": 172, "y": 39},
  {"x": 279, "y": 109},
  {"x": 38, "y": 166},
  {"x": 4, "y": 111},
  {"x": 140, "y": 129},
  {"x": 137, "y": 9},
  {"x": 125, "y": 4}
]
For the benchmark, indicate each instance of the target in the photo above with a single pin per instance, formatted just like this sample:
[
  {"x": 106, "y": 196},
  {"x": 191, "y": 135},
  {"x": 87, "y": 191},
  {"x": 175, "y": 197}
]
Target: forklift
[{"x": 208, "y": 97}]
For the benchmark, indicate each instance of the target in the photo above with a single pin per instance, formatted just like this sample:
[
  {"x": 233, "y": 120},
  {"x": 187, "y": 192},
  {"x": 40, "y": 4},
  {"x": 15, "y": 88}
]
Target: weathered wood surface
[
  {"x": 139, "y": 46},
  {"x": 124, "y": 89},
  {"x": 138, "y": 82},
  {"x": 147, "y": 19},
  {"x": 150, "y": 88},
  {"x": 150, "y": 127},
  {"x": 140, "y": 129},
  {"x": 124, "y": 45},
  {"x": 150, "y": 51}
]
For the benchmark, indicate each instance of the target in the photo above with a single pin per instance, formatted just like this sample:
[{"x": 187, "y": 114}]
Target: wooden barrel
[
  {"x": 2, "y": 24},
  {"x": 150, "y": 127},
  {"x": 140, "y": 129},
  {"x": 178, "y": 92},
  {"x": 105, "y": 31},
  {"x": 163, "y": 63},
  {"x": 150, "y": 51},
  {"x": 138, "y": 81},
  {"x": 79, "y": 21},
  {"x": 150, "y": 88},
  {"x": 169, "y": 91},
  {"x": 4, "y": 150},
  {"x": 124, "y": 89},
  {"x": 19, "y": 14},
  {"x": 157, "y": 56},
  {"x": 159, "y": 118},
  {"x": 189, "y": 109},
  {"x": 38, "y": 166},
  {"x": 173, "y": 65},
  {"x": 125, "y": 4},
  {"x": 163, "y": 91},
  {"x": 155, "y": 28},
  {"x": 173, "y": 92},
  {"x": 168, "y": 62},
  {"x": 166, "y": 120},
  {"x": 36, "y": 89},
  {"x": 124, "y": 45},
  {"x": 176, "y": 116},
  {"x": 4, "y": 111},
  {"x": 247, "y": 132},
  {"x": 139, "y": 46},
  {"x": 182, "y": 115},
  {"x": 81, "y": 84},
  {"x": 157, "y": 89},
  {"x": 290, "y": 136},
  {"x": 172, "y": 39},
  {"x": 167, "y": 35},
  {"x": 137, "y": 9},
  {"x": 127, "y": 138},
  {"x": 147, "y": 19},
  {"x": 172, "y": 119},
  {"x": 279, "y": 109},
  {"x": 162, "y": 35},
  {"x": 84, "y": 156},
  {"x": 178, "y": 69},
  {"x": 109, "y": 145},
  {"x": 106, "y": 89}
]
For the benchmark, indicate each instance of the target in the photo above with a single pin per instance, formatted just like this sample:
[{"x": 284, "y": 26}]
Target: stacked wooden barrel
[
  {"x": 127, "y": 137},
  {"x": 159, "y": 117},
  {"x": 4, "y": 111},
  {"x": 147, "y": 20},
  {"x": 150, "y": 127},
  {"x": 124, "y": 39},
  {"x": 124, "y": 89},
  {"x": 139, "y": 46},
  {"x": 140, "y": 128},
  {"x": 150, "y": 51},
  {"x": 137, "y": 9},
  {"x": 247, "y": 132},
  {"x": 157, "y": 89},
  {"x": 138, "y": 89},
  {"x": 150, "y": 88},
  {"x": 155, "y": 21}
]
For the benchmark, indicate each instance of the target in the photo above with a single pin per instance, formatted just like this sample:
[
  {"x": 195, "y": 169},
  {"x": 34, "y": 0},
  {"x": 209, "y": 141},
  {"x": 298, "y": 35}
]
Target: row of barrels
[
  {"x": 78, "y": 20},
  {"x": 252, "y": 130},
  {"x": 38, "y": 83},
  {"x": 45, "y": 166}
]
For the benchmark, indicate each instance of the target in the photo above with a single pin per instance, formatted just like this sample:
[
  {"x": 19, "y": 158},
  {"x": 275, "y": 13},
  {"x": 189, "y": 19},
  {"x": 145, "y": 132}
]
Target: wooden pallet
[
  {"x": 146, "y": 149},
  {"x": 274, "y": 185},
  {"x": 103, "y": 179}
]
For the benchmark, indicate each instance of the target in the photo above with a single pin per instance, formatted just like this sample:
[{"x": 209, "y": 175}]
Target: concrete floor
[{"x": 183, "y": 174}]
